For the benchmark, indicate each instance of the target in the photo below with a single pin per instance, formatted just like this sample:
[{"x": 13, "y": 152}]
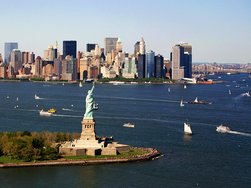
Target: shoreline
[{"x": 151, "y": 155}]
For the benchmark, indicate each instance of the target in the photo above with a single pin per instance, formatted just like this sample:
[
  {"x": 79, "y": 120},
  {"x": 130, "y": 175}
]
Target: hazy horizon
[{"x": 219, "y": 31}]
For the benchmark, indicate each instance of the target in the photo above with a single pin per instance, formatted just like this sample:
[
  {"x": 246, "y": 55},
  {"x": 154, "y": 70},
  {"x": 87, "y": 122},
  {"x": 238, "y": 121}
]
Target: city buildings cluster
[{"x": 108, "y": 62}]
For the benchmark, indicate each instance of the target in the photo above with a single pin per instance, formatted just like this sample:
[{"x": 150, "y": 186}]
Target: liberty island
[{"x": 84, "y": 149}]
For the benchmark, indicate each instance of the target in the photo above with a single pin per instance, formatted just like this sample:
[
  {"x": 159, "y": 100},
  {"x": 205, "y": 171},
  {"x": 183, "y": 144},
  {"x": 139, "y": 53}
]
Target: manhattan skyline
[{"x": 219, "y": 30}]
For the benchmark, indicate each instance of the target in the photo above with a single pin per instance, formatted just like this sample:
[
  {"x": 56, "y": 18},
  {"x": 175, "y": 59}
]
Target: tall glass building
[
  {"x": 70, "y": 48},
  {"x": 150, "y": 63},
  {"x": 8, "y": 47}
]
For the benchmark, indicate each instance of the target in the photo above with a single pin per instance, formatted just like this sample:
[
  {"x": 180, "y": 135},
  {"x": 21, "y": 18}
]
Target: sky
[{"x": 219, "y": 30}]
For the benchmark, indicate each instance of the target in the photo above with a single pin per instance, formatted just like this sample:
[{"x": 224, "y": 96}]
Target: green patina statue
[{"x": 89, "y": 106}]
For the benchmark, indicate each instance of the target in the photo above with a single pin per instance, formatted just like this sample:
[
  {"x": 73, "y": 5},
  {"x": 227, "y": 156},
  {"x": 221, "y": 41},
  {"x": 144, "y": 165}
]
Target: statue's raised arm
[{"x": 89, "y": 104}]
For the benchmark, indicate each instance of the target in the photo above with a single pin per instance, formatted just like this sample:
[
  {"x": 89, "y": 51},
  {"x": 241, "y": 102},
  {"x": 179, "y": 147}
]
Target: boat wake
[
  {"x": 239, "y": 133},
  {"x": 61, "y": 115}
]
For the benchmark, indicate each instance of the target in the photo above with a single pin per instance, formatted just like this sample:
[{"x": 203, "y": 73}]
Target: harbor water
[{"x": 205, "y": 159}]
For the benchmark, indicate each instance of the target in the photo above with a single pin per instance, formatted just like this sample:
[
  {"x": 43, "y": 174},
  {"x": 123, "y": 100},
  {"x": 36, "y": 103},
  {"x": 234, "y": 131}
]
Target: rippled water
[{"x": 207, "y": 159}]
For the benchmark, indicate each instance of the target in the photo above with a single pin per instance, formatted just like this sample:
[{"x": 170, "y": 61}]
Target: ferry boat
[
  {"x": 222, "y": 129},
  {"x": 44, "y": 113},
  {"x": 129, "y": 125},
  {"x": 196, "y": 101},
  {"x": 187, "y": 129}
]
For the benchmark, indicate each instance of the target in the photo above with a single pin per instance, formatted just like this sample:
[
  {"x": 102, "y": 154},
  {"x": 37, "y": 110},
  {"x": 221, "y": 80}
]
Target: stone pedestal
[{"x": 88, "y": 130}]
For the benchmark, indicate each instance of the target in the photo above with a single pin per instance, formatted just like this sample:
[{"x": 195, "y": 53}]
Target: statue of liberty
[{"x": 89, "y": 104}]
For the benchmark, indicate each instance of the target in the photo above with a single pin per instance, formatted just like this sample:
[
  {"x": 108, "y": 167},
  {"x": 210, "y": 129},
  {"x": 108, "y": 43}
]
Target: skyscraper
[
  {"x": 159, "y": 64},
  {"x": 149, "y": 68},
  {"x": 8, "y": 47},
  {"x": 181, "y": 61},
  {"x": 110, "y": 44},
  {"x": 141, "y": 65},
  {"x": 142, "y": 46},
  {"x": 16, "y": 60},
  {"x": 90, "y": 47},
  {"x": 136, "y": 49},
  {"x": 70, "y": 48}
]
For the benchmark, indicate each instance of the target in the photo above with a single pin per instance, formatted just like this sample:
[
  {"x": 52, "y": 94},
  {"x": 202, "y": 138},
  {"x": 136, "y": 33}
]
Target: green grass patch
[
  {"x": 133, "y": 152},
  {"x": 6, "y": 159}
]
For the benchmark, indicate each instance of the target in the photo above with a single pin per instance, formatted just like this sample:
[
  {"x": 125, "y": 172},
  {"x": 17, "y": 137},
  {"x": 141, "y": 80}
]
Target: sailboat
[
  {"x": 169, "y": 89},
  {"x": 187, "y": 129},
  {"x": 185, "y": 86},
  {"x": 80, "y": 84},
  {"x": 181, "y": 103},
  {"x": 229, "y": 92},
  {"x": 17, "y": 99}
]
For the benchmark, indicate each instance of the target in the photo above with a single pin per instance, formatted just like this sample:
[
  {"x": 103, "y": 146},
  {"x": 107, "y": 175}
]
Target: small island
[{"x": 24, "y": 149}]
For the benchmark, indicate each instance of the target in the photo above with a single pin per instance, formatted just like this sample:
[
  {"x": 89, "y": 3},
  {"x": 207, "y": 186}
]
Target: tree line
[{"x": 32, "y": 146}]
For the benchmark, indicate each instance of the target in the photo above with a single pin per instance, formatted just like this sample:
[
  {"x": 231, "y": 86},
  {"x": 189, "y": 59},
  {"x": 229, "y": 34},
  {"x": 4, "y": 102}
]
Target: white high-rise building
[{"x": 142, "y": 46}]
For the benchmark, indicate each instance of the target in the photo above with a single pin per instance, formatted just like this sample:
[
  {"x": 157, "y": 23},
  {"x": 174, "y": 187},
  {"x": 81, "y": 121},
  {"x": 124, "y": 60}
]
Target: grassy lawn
[
  {"x": 6, "y": 159},
  {"x": 131, "y": 153}
]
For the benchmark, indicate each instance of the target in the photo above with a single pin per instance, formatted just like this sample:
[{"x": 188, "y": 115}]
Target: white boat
[
  {"x": 44, "y": 113},
  {"x": 185, "y": 86},
  {"x": 169, "y": 90},
  {"x": 187, "y": 129},
  {"x": 222, "y": 129},
  {"x": 80, "y": 84},
  {"x": 229, "y": 92},
  {"x": 181, "y": 103},
  {"x": 129, "y": 125},
  {"x": 37, "y": 97},
  {"x": 246, "y": 94},
  {"x": 17, "y": 99},
  {"x": 95, "y": 106}
]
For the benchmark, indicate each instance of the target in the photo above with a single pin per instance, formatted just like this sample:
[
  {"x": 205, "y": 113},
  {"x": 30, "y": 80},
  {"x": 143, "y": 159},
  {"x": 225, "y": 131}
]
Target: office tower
[
  {"x": 38, "y": 67},
  {"x": 129, "y": 70},
  {"x": 136, "y": 49},
  {"x": 159, "y": 65},
  {"x": 69, "y": 68},
  {"x": 25, "y": 56},
  {"x": 8, "y": 47},
  {"x": 149, "y": 68},
  {"x": 3, "y": 69},
  {"x": 70, "y": 48},
  {"x": 31, "y": 58},
  {"x": 142, "y": 46},
  {"x": 119, "y": 45},
  {"x": 141, "y": 65},
  {"x": 50, "y": 54},
  {"x": 97, "y": 51},
  {"x": 90, "y": 47},
  {"x": 110, "y": 45},
  {"x": 181, "y": 59},
  {"x": 16, "y": 60},
  {"x": 57, "y": 68}
]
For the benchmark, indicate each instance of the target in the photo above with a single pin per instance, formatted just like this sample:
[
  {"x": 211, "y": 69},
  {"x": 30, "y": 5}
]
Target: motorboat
[
  {"x": 196, "y": 101},
  {"x": 52, "y": 111},
  {"x": 36, "y": 97},
  {"x": 187, "y": 129},
  {"x": 229, "y": 92},
  {"x": 44, "y": 113},
  {"x": 185, "y": 86},
  {"x": 222, "y": 129},
  {"x": 129, "y": 125}
]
